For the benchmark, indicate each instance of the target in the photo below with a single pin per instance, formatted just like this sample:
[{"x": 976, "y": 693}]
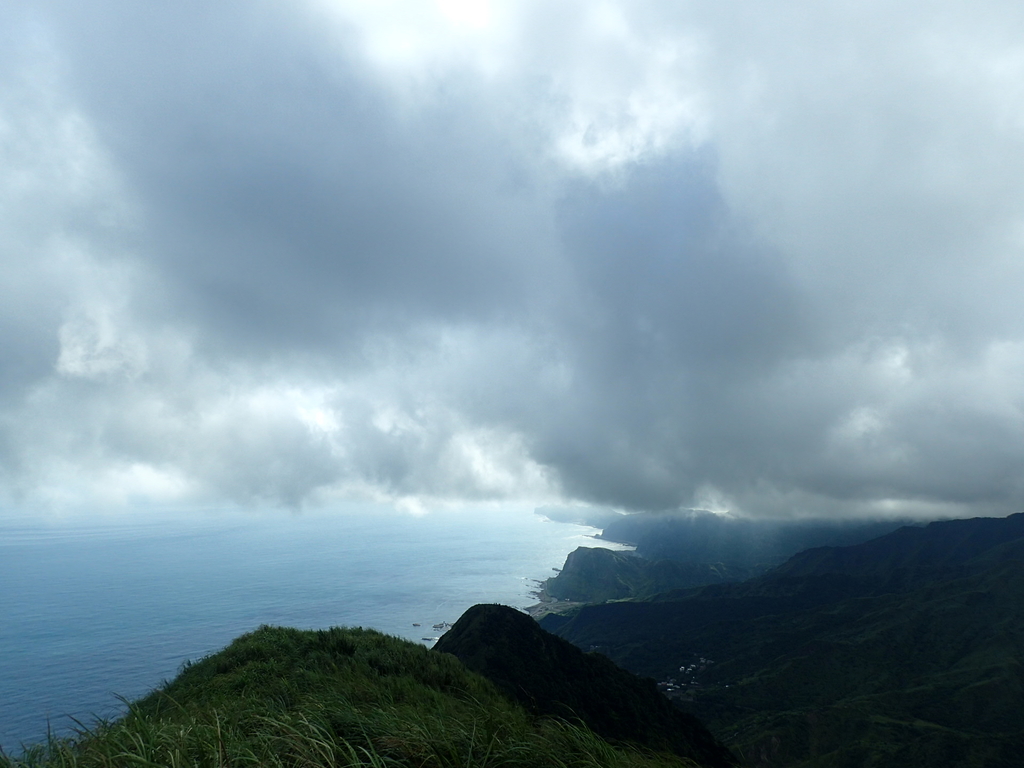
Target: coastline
[
  {"x": 197, "y": 585},
  {"x": 546, "y": 603}
]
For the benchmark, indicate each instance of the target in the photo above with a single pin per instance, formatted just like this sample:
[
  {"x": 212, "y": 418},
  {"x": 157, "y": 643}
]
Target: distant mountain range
[{"x": 904, "y": 650}]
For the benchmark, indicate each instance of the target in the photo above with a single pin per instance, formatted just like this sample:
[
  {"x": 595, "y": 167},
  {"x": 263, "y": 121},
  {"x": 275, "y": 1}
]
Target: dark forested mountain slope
[
  {"x": 940, "y": 549},
  {"x": 596, "y": 575},
  {"x": 903, "y": 651},
  {"x": 921, "y": 676}
]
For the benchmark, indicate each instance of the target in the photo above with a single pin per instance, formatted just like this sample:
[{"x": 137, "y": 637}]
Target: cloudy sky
[{"x": 763, "y": 257}]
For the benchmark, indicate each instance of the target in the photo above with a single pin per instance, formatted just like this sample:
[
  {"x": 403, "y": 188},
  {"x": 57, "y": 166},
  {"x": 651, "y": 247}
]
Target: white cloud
[
  {"x": 93, "y": 347},
  {"x": 610, "y": 90},
  {"x": 647, "y": 254}
]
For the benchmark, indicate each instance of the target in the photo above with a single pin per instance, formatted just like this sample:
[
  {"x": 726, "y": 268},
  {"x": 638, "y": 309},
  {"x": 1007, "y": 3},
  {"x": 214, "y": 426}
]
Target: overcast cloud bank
[{"x": 643, "y": 255}]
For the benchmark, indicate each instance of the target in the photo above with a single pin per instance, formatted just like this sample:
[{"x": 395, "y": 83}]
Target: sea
[{"x": 93, "y": 613}]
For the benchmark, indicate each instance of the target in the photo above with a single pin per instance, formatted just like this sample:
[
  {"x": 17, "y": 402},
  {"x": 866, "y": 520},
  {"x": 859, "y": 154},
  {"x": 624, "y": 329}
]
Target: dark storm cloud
[
  {"x": 676, "y": 303},
  {"x": 291, "y": 199},
  {"x": 644, "y": 256}
]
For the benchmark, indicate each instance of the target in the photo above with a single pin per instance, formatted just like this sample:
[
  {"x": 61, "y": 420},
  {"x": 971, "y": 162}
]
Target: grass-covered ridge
[{"x": 337, "y": 697}]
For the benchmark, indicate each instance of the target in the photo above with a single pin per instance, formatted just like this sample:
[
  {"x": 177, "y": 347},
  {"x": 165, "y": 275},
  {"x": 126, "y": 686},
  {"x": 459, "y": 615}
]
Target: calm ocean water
[{"x": 88, "y": 613}]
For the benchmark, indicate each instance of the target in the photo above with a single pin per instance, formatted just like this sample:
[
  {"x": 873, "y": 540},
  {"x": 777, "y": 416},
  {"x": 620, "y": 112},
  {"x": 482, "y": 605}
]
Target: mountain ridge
[
  {"x": 345, "y": 697},
  {"x": 905, "y": 650},
  {"x": 552, "y": 677}
]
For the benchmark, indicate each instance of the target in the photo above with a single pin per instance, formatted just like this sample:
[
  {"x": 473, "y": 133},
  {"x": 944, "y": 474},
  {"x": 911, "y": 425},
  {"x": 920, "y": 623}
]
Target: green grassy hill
[{"x": 338, "y": 697}]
